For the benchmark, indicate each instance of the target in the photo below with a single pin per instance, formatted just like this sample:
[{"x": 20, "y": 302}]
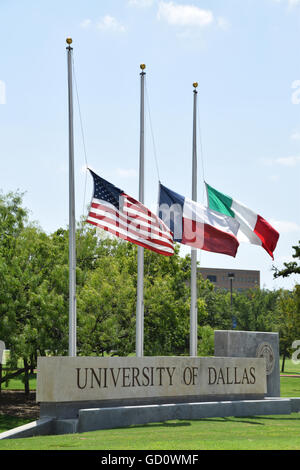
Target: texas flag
[{"x": 196, "y": 225}]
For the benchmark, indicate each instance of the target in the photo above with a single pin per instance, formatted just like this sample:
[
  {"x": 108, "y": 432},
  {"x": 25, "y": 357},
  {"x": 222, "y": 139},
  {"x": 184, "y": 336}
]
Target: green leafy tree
[
  {"x": 216, "y": 304},
  {"x": 36, "y": 313},
  {"x": 206, "y": 340},
  {"x": 288, "y": 320},
  {"x": 255, "y": 309},
  {"x": 106, "y": 310},
  {"x": 289, "y": 306},
  {"x": 166, "y": 323},
  {"x": 292, "y": 267},
  {"x": 13, "y": 218}
]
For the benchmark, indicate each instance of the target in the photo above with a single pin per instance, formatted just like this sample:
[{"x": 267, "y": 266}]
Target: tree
[
  {"x": 106, "y": 310},
  {"x": 13, "y": 218},
  {"x": 288, "y": 320},
  {"x": 36, "y": 313},
  {"x": 107, "y": 302},
  {"x": 255, "y": 309},
  {"x": 166, "y": 324},
  {"x": 33, "y": 290},
  {"x": 289, "y": 306},
  {"x": 206, "y": 341},
  {"x": 216, "y": 306},
  {"x": 289, "y": 268}
]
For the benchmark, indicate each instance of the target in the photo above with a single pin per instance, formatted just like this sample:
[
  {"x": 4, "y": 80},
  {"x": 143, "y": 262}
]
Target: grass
[
  {"x": 250, "y": 433},
  {"x": 10, "y": 422},
  {"x": 290, "y": 367},
  {"x": 290, "y": 387},
  {"x": 18, "y": 384},
  {"x": 234, "y": 433}
]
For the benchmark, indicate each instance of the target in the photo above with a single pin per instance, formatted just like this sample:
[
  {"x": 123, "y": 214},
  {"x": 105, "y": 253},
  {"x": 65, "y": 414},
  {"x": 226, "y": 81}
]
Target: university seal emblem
[{"x": 265, "y": 350}]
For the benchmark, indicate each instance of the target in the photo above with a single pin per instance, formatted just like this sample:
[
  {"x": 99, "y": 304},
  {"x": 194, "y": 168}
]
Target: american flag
[{"x": 114, "y": 211}]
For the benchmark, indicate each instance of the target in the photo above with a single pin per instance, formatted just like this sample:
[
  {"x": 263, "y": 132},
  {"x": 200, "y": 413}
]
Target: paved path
[{"x": 290, "y": 375}]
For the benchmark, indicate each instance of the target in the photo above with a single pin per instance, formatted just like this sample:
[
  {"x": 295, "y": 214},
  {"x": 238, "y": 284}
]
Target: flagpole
[
  {"x": 72, "y": 241},
  {"x": 140, "y": 256},
  {"x": 193, "y": 308}
]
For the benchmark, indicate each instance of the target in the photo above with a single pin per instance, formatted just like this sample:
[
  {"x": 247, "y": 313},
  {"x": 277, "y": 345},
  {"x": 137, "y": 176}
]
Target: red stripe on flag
[
  {"x": 208, "y": 238},
  {"x": 156, "y": 249},
  {"x": 268, "y": 235},
  {"x": 156, "y": 237},
  {"x": 130, "y": 229},
  {"x": 133, "y": 224}
]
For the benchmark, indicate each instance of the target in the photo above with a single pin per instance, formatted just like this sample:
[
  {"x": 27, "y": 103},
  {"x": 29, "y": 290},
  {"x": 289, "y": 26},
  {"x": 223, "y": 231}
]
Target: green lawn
[
  {"x": 260, "y": 433},
  {"x": 10, "y": 422},
  {"x": 290, "y": 387},
  {"x": 290, "y": 367},
  {"x": 18, "y": 384}
]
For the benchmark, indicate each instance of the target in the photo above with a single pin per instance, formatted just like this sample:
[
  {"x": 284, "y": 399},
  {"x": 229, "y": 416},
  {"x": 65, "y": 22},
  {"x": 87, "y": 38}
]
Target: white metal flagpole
[
  {"x": 140, "y": 259},
  {"x": 72, "y": 240},
  {"x": 193, "y": 309}
]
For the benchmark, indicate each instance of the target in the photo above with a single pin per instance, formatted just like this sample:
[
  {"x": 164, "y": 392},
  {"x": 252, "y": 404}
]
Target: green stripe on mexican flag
[{"x": 253, "y": 228}]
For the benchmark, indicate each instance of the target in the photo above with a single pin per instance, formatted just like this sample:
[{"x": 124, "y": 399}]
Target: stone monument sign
[
  {"x": 232, "y": 343},
  {"x": 89, "y": 379}
]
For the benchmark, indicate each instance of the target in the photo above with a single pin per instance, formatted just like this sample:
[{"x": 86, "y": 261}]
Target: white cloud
[
  {"x": 127, "y": 172},
  {"x": 274, "y": 178},
  {"x": 2, "y": 92},
  {"x": 184, "y": 15},
  {"x": 290, "y": 3},
  {"x": 141, "y": 3},
  {"x": 295, "y": 135},
  {"x": 283, "y": 161},
  {"x": 293, "y": 3},
  {"x": 267, "y": 161},
  {"x": 86, "y": 23},
  {"x": 110, "y": 24},
  {"x": 284, "y": 226},
  {"x": 223, "y": 23},
  {"x": 288, "y": 161},
  {"x": 106, "y": 24}
]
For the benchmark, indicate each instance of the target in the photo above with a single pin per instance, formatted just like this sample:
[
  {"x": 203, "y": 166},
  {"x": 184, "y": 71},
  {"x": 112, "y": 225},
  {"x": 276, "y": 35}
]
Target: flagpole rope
[
  {"x": 202, "y": 168},
  {"x": 82, "y": 136},
  {"x": 151, "y": 129},
  {"x": 201, "y": 154}
]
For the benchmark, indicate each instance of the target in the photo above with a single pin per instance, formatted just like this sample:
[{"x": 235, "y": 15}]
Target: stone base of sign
[
  {"x": 232, "y": 343},
  {"x": 78, "y": 394},
  {"x": 70, "y": 410},
  {"x": 109, "y": 418}
]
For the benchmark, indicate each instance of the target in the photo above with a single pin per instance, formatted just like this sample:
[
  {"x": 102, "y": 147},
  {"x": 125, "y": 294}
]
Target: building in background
[{"x": 232, "y": 279}]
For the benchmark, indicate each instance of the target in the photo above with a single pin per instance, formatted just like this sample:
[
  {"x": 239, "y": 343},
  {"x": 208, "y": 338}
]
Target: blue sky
[{"x": 245, "y": 57}]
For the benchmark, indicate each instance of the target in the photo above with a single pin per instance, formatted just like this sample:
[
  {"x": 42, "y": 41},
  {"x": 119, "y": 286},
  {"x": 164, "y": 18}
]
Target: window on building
[{"x": 212, "y": 278}]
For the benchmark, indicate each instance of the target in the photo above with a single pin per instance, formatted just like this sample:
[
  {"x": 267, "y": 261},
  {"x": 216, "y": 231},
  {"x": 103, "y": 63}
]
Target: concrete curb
[
  {"x": 92, "y": 419},
  {"x": 108, "y": 418},
  {"x": 41, "y": 427}
]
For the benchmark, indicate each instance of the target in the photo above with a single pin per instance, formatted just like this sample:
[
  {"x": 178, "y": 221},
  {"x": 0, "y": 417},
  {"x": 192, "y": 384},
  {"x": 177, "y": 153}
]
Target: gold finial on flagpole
[
  {"x": 142, "y": 66},
  {"x": 195, "y": 84},
  {"x": 69, "y": 41}
]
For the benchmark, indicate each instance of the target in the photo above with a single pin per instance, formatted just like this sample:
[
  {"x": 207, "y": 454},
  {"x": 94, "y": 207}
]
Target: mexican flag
[{"x": 253, "y": 228}]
